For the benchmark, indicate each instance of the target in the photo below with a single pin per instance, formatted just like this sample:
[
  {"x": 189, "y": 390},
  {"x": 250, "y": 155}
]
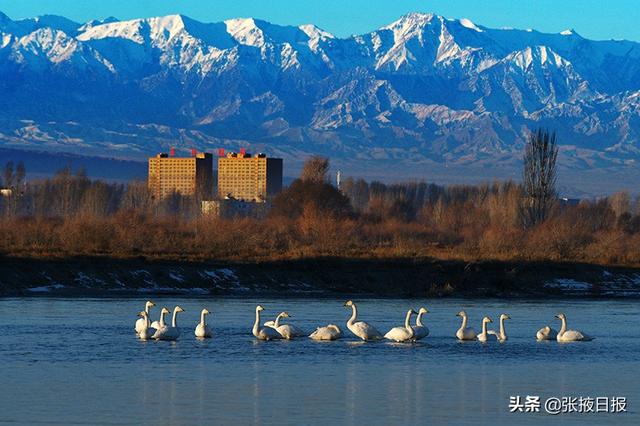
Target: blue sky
[{"x": 596, "y": 19}]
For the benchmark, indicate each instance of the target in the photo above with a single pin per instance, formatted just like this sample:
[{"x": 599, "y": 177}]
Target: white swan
[
  {"x": 502, "y": 334},
  {"x": 420, "y": 331},
  {"x": 464, "y": 332},
  {"x": 159, "y": 324},
  {"x": 328, "y": 332},
  {"x": 565, "y": 335},
  {"x": 145, "y": 332},
  {"x": 402, "y": 334},
  {"x": 287, "y": 331},
  {"x": 484, "y": 335},
  {"x": 272, "y": 323},
  {"x": 140, "y": 323},
  {"x": 202, "y": 329},
  {"x": 360, "y": 328},
  {"x": 546, "y": 333},
  {"x": 169, "y": 332},
  {"x": 265, "y": 333}
]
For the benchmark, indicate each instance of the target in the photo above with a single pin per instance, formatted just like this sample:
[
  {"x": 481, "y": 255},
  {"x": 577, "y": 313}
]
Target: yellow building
[
  {"x": 249, "y": 178},
  {"x": 186, "y": 175}
]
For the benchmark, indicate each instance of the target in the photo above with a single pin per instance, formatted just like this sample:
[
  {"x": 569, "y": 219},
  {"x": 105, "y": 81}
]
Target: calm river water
[{"x": 77, "y": 361}]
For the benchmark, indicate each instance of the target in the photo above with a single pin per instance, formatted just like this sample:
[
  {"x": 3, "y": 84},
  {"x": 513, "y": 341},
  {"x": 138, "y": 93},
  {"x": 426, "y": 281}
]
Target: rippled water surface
[{"x": 77, "y": 361}]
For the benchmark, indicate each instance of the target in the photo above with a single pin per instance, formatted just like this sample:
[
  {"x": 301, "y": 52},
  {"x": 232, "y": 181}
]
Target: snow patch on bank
[
  {"x": 84, "y": 280},
  {"x": 620, "y": 284},
  {"x": 611, "y": 284},
  {"x": 569, "y": 284},
  {"x": 173, "y": 290},
  {"x": 46, "y": 288},
  {"x": 220, "y": 274},
  {"x": 145, "y": 276},
  {"x": 225, "y": 279},
  {"x": 176, "y": 277},
  {"x": 53, "y": 285}
]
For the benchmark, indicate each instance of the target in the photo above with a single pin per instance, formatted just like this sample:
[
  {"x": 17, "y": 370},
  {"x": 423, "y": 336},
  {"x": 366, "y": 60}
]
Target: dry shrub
[
  {"x": 86, "y": 236},
  {"x": 71, "y": 215},
  {"x": 500, "y": 243}
]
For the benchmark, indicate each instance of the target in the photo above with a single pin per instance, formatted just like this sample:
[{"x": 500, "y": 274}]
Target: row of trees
[
  {"x": 529, "y": 204},
  {"x": 72, "y": 214},
  {"x": 13, "y": 179},
  {"x": 70, "y": 194}
]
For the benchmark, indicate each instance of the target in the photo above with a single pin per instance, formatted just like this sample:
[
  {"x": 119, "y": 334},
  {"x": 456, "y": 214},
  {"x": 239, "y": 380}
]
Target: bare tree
[
  {"x": 539, "y": 177},
  {"x": 620, "y": 203},
  {"x": 8, "y": 175},
  {"x": 136, "y": 197},
  {"x": 358, "y": 192},
  {"x": 315, "y": 169},
  {"x": 21, "y": 173}
]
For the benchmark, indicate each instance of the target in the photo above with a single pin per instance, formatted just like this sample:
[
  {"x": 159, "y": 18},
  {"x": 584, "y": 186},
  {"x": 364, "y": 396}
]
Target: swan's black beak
[{"x": 558, "y": 316}]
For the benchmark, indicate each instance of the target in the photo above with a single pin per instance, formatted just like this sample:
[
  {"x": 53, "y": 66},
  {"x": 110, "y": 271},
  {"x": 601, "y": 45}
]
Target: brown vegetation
[{"x": 70, "y": 214}]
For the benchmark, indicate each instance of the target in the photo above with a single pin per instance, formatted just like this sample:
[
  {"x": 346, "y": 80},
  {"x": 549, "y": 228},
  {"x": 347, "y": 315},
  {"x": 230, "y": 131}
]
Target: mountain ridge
[{"x": 423, "y": 89}]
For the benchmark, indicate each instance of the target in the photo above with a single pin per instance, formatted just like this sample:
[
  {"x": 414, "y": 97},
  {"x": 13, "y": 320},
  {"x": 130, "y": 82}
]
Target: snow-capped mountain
[{"x": 423, "y": 89}]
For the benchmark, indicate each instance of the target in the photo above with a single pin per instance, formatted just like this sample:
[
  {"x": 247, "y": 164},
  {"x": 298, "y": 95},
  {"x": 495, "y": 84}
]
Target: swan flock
[{"x": 276, "y": 329}]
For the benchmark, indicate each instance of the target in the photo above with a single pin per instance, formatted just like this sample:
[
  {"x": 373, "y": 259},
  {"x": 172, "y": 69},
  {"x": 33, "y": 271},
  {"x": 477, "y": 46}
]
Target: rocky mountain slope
[{"x": 423, "y": 89}]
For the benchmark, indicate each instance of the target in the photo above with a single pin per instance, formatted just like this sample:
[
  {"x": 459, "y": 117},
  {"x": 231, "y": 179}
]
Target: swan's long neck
[
  {"x": 407, "y": 323},
  {"x": 354, "y": 314},
  {"x": 146, "y": 320},
  {"x": 276, "y": 323},
  {"x": 203, "y": 319},
  {"x": 484, "y": 327},
  {"x": 502, "y": 331},
  {"x": 464, "y": 322},
  {"x": 563, "y": 328},
  {"x": 256, "y": 325},
  {"x": 146, "y": 308},
  {"x": 419, "y": 319},
  {"x": 162, "y": 314},
  {"x": 174, "y": 318}
]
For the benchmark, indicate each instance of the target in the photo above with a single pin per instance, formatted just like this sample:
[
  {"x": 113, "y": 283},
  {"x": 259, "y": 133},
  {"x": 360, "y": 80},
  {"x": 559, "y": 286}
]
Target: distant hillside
[{"x": 41, "y": 163}]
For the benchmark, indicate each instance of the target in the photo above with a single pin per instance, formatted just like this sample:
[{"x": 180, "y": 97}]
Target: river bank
[{"x": 85, "y": 276}]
